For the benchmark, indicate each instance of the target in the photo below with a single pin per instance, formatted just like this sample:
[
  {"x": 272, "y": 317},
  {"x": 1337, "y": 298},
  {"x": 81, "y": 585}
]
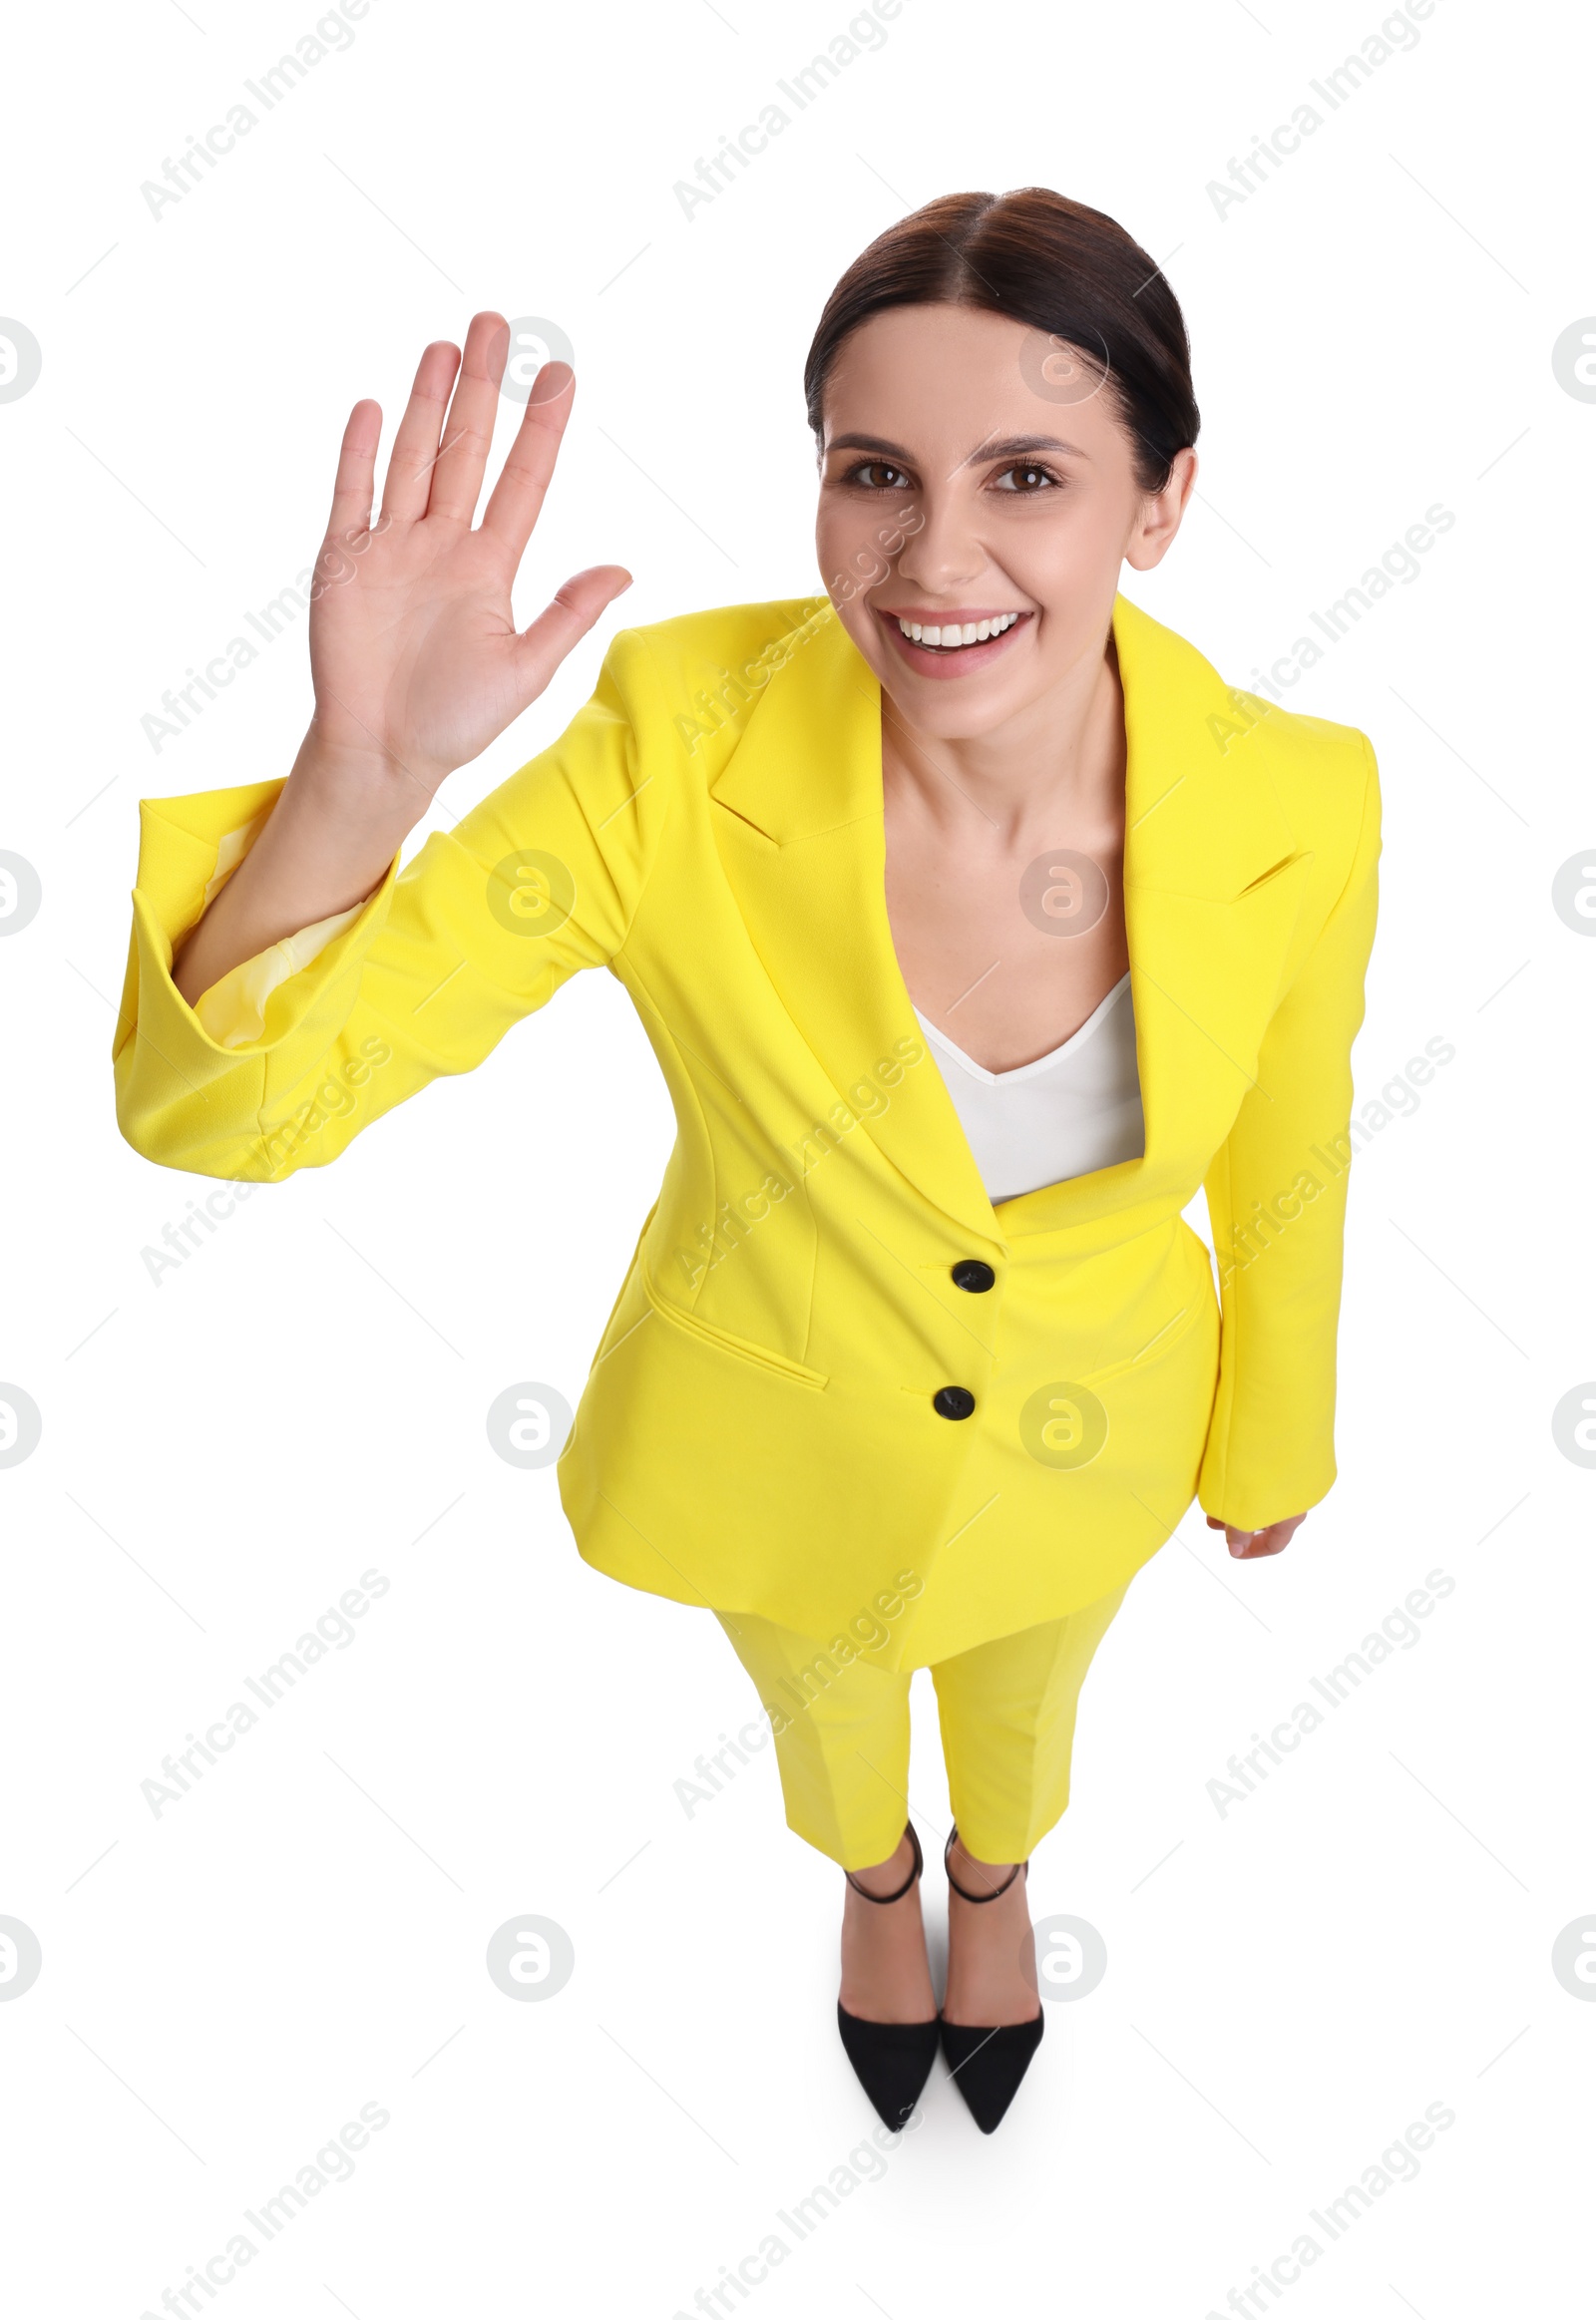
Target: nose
[{"x": 941, "y": 555}]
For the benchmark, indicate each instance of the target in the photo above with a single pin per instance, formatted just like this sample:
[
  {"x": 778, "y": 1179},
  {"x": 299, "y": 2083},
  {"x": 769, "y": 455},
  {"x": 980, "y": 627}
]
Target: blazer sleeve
[
  {"x": 233, "y": 1010},
  {"x": 1277, "y": 1199},
  {"x": 542, "y": 877}
]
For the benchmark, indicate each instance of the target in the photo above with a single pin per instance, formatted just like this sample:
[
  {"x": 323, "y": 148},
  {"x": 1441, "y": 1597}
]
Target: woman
[{"x": 975, "y": 922}]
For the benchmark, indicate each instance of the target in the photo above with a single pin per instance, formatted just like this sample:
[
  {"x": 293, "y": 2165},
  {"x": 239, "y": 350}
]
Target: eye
[
  {"x": 1035, "y": 479},
  {"x": 869, "y": 471}
]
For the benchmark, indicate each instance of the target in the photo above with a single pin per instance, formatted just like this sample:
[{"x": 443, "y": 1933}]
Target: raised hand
[{"x": 414, "y": 654}]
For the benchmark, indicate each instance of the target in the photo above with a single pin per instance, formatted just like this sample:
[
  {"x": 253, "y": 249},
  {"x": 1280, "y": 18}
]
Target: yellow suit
[{"x": 759, "y": 1431}]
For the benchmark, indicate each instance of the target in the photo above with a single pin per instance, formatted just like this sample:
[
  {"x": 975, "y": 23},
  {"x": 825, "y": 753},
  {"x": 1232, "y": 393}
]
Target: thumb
[{"x": 563, "y": 624}]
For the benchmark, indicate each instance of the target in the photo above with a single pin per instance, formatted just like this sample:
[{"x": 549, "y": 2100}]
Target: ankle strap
[
  {"x": 911, "y": 1880},
  {"x": 997, "y": 1890}
]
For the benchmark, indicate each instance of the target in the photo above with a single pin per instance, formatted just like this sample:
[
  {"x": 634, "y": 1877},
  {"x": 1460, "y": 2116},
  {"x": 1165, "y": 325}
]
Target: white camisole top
[{"x": 1073, "y": 1110}]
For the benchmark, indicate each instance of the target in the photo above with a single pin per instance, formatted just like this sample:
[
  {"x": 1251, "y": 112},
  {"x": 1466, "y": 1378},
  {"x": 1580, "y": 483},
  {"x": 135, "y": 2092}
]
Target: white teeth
[{"x": 954, "y": 637}]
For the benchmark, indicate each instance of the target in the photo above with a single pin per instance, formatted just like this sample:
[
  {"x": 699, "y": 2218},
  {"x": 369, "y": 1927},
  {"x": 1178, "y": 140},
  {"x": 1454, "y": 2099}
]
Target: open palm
[{"x": 414, "y": 654}]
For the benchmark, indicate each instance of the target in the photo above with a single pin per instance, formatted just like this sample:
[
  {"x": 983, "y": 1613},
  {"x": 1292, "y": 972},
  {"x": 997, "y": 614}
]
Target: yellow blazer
[{"x": 758, "y": 1430}]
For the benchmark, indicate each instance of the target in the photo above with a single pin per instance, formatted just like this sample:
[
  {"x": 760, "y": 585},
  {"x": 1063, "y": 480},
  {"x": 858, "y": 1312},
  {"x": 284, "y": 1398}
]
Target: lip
[{"x": 927, "y": 660}]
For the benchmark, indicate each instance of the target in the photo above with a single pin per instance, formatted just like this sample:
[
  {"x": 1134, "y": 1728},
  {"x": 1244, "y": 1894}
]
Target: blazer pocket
[
  {"x": 1272, "y": 876},
  {"x": 741, "y": 1348},
  {"x": 1163, "y": 1341}
]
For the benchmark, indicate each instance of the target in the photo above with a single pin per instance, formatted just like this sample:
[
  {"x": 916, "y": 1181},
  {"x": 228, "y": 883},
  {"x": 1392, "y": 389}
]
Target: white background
[{"x": 1289, "y": 1984}]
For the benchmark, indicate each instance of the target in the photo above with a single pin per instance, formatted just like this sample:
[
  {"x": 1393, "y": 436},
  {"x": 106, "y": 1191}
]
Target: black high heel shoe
[
  {"x": 892, "y": 2059},
  {"x": 988, "y": 2064}
]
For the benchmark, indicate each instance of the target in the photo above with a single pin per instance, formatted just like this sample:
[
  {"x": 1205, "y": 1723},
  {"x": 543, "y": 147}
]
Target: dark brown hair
[{"x": 1064, "y": 270}]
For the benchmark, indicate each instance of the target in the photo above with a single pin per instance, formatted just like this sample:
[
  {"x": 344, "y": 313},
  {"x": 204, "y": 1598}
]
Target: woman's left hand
[{"x": 1243, "y": 1544}]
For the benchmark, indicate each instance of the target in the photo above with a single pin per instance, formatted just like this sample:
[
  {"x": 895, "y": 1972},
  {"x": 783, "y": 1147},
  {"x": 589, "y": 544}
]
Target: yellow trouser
[{"x": 1008, "y": 1717}]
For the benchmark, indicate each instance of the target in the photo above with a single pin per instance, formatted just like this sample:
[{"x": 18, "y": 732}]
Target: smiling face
[{"x": 977, "y": 484}]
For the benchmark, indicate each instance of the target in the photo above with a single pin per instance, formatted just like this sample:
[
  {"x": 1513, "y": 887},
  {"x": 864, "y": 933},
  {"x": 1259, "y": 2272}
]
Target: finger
[
  {"x": 357, "y": 466},
  {"x": 564, "y": 621},
  {"x": 415, "y": 447},
  {"x": 517, "y": 495},
  {"x": 468, "y": 430}
]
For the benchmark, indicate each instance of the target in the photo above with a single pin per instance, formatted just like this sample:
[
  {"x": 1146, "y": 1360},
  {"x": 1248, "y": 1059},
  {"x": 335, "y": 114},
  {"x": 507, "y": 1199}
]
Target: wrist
[{"x": 350, "y": 805}]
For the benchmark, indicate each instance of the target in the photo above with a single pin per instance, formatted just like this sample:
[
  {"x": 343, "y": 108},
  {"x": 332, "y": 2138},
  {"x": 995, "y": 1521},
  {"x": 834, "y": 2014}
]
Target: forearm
[
  {"x": 1278, "y": 1217},
  {"x": 325, "y": 847}
]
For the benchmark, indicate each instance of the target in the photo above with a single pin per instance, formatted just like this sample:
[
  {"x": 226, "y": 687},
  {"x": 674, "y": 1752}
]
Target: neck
[{"x": 1062, "y": 756}]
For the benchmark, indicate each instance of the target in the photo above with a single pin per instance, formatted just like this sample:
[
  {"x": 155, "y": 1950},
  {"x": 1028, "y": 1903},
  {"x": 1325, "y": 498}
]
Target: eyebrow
[{"x": 1003, "y": 447}]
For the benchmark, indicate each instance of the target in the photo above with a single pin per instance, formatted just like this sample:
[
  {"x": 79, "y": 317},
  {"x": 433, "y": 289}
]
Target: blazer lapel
[
  {"x": 1213, "y": 884},
  {"x": 803, "y": 842},
  {"x": 1207, "y": 924}
]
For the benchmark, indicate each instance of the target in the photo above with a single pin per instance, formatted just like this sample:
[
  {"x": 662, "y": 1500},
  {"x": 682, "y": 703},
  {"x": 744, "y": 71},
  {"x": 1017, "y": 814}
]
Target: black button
[
  {"x": 969, "y": 1273},
  {"x": 953, "y": 1401}
]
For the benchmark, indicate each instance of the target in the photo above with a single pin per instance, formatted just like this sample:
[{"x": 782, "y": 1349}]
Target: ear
[{"x": 1159, "y": 517}]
